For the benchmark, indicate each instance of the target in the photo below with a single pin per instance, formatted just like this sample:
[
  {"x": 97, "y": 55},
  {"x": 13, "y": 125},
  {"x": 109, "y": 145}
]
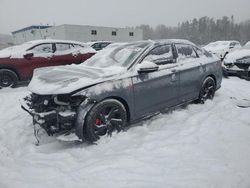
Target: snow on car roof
[
  {"x": 168, "y": 41},
  {"x": 54, "y": 41},
  {"x": 221, "y": 42},
  {"x": 93, "y": 42},
  {"x": 160, "y": 41}
]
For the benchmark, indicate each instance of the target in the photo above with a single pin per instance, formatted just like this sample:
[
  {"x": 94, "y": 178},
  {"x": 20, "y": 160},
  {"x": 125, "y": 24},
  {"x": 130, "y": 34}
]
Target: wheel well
[
  {"x": 13, "y": 70},
  {"x": 124, "y": 102},
  {"x": 211, "y": 75}
]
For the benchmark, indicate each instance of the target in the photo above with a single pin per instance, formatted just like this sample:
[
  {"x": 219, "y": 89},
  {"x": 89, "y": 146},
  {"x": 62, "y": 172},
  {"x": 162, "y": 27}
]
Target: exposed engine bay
[{"x": 55, "y": 114}]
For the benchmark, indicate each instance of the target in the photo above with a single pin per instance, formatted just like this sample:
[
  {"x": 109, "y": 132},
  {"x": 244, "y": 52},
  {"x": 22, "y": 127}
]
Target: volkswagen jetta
[{"x": 120, "y": 85}]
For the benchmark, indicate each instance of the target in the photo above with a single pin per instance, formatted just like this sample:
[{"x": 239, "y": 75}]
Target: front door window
[
  {"x": 42, "y": 50},
  {"x": 160, "y": 55}
]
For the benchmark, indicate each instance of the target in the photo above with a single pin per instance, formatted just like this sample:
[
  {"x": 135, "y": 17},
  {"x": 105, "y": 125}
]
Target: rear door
[
  {"x": 189, "y": 66},
  {"x": 65, "y": 54},
  {"x": 82, "y": 53},
  {"x": 156, "y": 90}
]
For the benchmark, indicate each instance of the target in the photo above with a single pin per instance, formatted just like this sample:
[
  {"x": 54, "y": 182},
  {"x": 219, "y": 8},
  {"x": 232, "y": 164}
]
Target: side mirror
[
  {"x": 28, "y": 55},
  {"x": 146, "y": 67},
  {"x": 166, "y": 61}
]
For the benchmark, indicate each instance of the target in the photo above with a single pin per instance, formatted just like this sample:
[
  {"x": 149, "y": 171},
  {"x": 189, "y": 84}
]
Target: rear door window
[
  {"x": 185, "y": 51},
  {"x": 64, "y": 48}
]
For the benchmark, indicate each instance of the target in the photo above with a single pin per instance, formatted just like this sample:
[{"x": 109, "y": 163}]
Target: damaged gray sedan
[{"x": 120, "y": 85}]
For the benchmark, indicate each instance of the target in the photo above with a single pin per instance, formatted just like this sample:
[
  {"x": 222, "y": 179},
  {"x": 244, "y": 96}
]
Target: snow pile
[{"x": 200, "y": 146}]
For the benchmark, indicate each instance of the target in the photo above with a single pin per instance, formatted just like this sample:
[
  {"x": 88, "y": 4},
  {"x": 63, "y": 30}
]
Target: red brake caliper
[{"x": 98, "y": 122}]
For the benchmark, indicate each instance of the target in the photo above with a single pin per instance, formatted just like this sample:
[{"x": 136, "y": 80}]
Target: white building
[{"x": 83, "y": 33}]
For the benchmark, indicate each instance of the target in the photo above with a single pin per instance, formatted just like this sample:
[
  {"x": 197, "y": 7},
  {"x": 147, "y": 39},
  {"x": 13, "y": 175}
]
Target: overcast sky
[{"x": 16, "y": 14}]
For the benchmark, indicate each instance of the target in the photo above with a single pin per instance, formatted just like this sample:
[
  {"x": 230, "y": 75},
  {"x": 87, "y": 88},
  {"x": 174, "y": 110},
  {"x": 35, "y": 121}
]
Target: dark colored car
[
  {"x": 237, "y": 63},
  {"x": 120, "y": 85},
  {"x": 17, "y": 63},
  {"x": 99, "y": 45}
]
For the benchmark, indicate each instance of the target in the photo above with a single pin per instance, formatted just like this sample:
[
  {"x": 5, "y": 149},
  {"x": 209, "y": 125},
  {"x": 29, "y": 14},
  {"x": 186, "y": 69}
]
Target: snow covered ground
[{"x": 199, "y": 146}]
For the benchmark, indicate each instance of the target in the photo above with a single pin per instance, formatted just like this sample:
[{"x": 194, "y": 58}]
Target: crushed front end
[
  {"x": 241, "y": 67},
  {"x": 56, "y": 114}
]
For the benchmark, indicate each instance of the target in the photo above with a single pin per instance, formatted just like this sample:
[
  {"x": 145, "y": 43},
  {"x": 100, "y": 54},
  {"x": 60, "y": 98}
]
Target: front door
[
  {"x": 66, "y": 54},
  {"x": 43, "y": 56},
  {"x": 156, "y": 90}
]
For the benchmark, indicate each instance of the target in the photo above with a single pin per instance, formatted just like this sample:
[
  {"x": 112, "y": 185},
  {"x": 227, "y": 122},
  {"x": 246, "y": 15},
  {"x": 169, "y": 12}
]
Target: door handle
[{"x": 173, "y": 70}]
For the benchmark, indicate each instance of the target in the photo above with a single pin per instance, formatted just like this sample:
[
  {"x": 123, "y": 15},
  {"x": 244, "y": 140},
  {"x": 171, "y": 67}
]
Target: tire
[
  {"x": 8, "y": 78},
  {"x": 207, "y": 90},
  {"x": 104, "y": 118}
]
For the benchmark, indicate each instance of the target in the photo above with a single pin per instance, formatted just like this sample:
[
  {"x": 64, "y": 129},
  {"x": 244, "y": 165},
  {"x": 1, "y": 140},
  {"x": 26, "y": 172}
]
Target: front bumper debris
[{"x": 53, "y": 122}]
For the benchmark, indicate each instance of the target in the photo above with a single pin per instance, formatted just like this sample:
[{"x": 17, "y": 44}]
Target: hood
[
  {"x": 235, "y": 55},
  {"x": 66, "y": 79}
]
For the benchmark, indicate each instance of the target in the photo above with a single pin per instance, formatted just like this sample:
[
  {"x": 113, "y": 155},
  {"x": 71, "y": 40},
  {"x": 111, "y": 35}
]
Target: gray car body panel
[{"x": 147, "y": 93}]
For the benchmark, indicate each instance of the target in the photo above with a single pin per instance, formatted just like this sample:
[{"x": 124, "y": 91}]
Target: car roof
[
  {"x": 224, "y": 42},
  {"x": 94, "y": 42},
  {"x": 164, "y": 41},
  {"x": 152, "y": 42},
  {"x": 176, "y": 41},
  {"x": 54, "y": 41}
]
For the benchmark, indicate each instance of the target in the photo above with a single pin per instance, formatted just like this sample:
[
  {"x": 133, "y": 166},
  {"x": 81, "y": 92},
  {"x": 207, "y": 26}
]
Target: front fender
[{"x": 82, "y": 111}]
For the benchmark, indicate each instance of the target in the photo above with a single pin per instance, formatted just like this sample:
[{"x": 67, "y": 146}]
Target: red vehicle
[{"x": 17, "y": 63}]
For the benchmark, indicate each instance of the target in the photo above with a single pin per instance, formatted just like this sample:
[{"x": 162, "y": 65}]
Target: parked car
[
  {"x": 17, "y": 63},
  {"x": 120, "y": 85},
  {"x": 247, "y": 45},
  {"x": 99, "y": 45},
  {"x": 237, "y": 63},
  {"x": 221, "y": 48}
]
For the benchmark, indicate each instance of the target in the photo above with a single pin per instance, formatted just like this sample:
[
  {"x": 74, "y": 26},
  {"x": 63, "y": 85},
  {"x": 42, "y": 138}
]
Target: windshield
[{"x": 119, "y": 54}]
